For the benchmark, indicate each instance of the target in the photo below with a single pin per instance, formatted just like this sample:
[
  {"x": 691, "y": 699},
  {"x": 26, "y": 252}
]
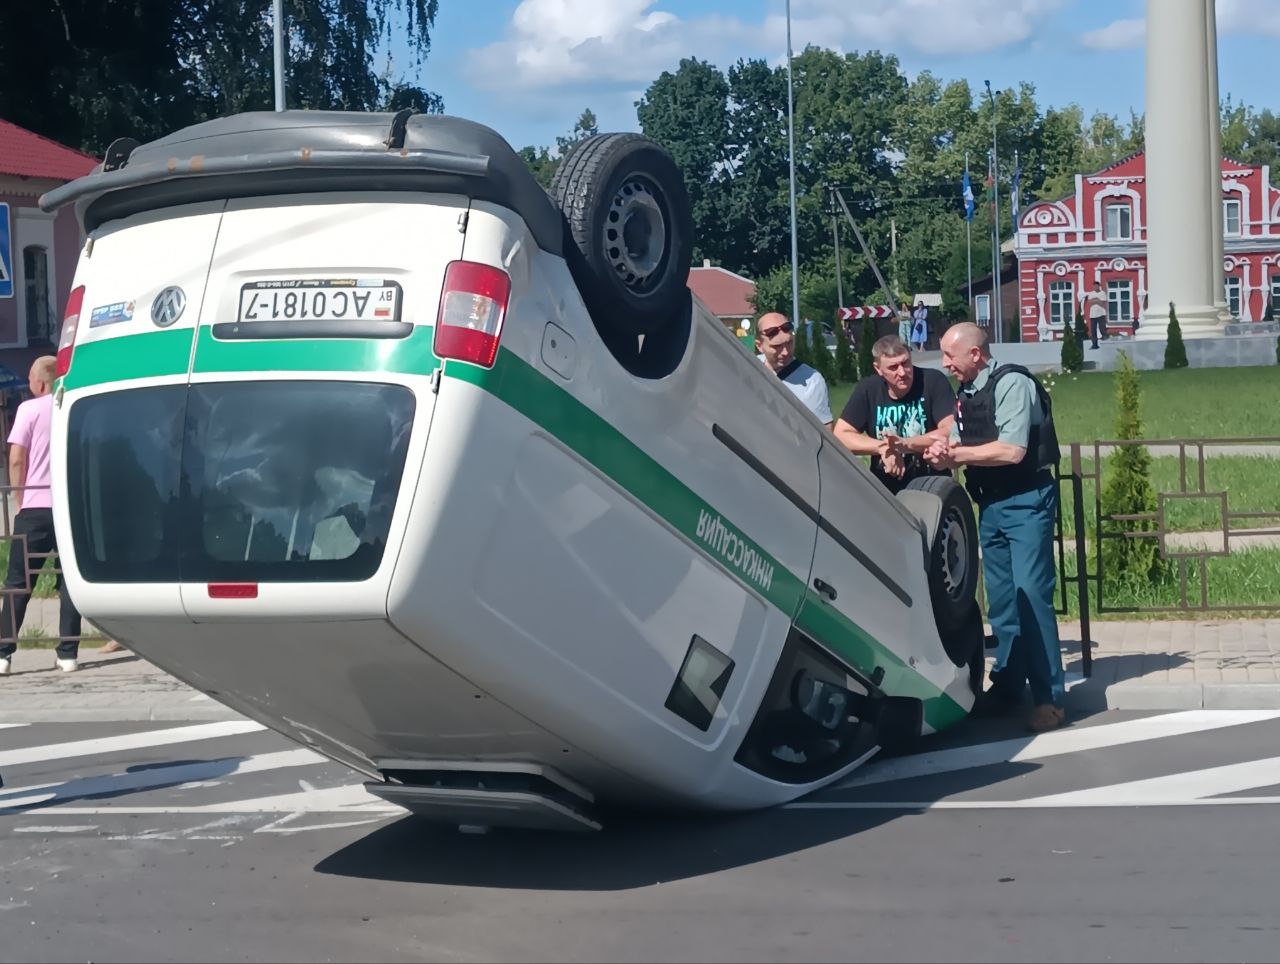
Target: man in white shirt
[
  {"x": 775, "y": 341},
  {"x": 1094, "y": 307}
]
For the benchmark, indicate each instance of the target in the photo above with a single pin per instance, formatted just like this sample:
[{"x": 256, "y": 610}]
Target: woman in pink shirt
[{"x": 29, "y": 478}]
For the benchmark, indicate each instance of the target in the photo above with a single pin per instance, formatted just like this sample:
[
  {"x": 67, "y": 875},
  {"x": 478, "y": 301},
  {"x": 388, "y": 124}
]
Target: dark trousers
[
  {"x": 37, "y": 526},
  {"x": 1097, "y": 327},
  {"x": 1017, "y": 566}
]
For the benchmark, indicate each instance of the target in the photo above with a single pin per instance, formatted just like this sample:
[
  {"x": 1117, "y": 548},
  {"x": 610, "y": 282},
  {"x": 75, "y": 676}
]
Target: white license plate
[{"x": 321, "y": 299}]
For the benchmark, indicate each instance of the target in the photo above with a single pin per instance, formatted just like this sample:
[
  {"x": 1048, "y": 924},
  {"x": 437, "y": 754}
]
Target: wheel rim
[
  {"x": 954, "y": 544},
  {"x": 635, "y": 236}
]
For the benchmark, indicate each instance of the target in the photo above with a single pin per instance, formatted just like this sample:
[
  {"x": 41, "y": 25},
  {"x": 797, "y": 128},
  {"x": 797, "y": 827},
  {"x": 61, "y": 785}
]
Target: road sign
[
  {"x": 6, "y": 254},
  {"x": 866, "y": 311}
]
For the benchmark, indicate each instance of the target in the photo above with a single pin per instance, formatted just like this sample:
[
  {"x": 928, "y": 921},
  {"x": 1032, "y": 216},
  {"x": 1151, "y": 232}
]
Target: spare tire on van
[
  {"x": 629, "y": 221},
  {"x": 944, "y": 507}
]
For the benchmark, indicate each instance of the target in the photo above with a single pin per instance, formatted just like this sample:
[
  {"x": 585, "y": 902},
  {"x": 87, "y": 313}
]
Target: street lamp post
[
  {"x": 997, "y": 315},
  {"x": 278, "y": 31},
  {"x": 791, "y": 156}
]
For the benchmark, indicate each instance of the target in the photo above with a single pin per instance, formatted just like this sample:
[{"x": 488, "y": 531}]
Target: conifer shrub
[
  {"x": 865, "y": 341},
  {"x": 1072, "y": 352},
  {"x": 846, "y": 360},
  {"x": 1175, "y": 352},
  {"x": 1128, "y": 491}
]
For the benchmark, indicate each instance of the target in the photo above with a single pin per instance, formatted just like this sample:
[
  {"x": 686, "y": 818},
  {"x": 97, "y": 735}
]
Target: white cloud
[
  {"x": 934, "y": 27},
  {"x": 1118, "y": 35},
  {"x": 576, "y": 43},
  {"x": 1249, "y": 17}
]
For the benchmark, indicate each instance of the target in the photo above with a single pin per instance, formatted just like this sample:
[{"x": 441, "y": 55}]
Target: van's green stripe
[
  {"x": 149, "y": 355},
  {"x": 522, "y": 387},
  {"x": 155, "y": 354},
  {"x": 406, "y": 356}
]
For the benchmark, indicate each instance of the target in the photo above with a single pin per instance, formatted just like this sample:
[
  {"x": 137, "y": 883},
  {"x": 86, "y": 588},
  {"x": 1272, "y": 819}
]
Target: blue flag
[
  {"x": 1013, "y": 190},
  {"x": 967, "y": 194}
]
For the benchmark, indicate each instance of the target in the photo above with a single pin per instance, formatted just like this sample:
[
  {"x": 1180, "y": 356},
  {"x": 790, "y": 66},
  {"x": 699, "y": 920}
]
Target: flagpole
[
  {"x": 791, "y": 158},
  {"x": 277, "y": 30},
  {"x": 968, "y": 235},
  {"x": 997, "y": 312}
]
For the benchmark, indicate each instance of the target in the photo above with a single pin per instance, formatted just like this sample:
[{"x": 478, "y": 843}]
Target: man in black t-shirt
[{"x": 895, "y": 415}]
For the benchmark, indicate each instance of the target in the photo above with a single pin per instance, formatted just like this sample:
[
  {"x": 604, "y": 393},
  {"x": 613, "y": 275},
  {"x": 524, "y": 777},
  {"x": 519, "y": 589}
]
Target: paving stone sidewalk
[
  {"x": 1168, "y": 665},
  {"x": 114, "y": 688},
  {"x": 1176, "y": 665}
]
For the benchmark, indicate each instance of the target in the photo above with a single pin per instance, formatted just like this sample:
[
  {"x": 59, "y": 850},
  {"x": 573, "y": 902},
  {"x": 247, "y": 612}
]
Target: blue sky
[{"x": 529, "y": 67}]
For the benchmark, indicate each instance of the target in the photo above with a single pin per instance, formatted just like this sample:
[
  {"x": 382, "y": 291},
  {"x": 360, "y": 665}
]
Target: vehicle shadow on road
[{"x": 641, "y": 850}]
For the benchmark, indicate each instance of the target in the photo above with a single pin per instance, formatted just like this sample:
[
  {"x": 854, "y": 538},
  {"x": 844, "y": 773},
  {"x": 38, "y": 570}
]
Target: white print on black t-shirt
[{"x": 905, "y": 419}]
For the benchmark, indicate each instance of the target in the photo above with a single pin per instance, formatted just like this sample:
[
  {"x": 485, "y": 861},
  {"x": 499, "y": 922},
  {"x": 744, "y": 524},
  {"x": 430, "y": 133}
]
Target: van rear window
[{"x": 289, "y": 481}]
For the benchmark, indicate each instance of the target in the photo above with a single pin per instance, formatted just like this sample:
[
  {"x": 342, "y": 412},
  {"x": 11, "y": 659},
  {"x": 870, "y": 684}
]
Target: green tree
[
  {"x": 585, "y": 126},
  {"x": 104, "y": 69},
  {"x": 544, "y": 163},
  {"x": 541, "y": 163},
  {"x": 773, "y": 292},
  {"x": 1082, "y": 330},
  {"x": 1128, "y": 492},
  {"x": 820, "y": 354},
  {"x": 867, "y": 338},
  {"x": 688, "y": 112},
  {"x": 1175, "y": 352},
  {"x": 1072, "y": 352}
]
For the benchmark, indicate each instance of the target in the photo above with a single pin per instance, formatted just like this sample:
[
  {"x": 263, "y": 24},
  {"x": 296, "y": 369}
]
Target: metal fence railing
[{"x": 1195, "y": 573}]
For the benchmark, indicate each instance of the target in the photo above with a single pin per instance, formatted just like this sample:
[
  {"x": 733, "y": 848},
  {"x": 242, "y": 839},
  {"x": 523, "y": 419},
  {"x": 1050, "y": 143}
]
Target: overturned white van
[{"x": 362, "y": 433}]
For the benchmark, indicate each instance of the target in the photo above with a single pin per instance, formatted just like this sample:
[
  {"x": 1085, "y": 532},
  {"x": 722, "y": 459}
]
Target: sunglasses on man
[{"x": 768, "y": 333}]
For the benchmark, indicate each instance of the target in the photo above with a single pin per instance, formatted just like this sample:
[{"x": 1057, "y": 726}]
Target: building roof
[
  {"x": 726, "y": 294},
  {"x": 25, "y": 153}
]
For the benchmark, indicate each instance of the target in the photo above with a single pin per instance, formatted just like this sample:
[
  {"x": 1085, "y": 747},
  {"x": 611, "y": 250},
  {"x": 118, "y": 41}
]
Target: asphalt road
[{"x": 1124, "y": 837}]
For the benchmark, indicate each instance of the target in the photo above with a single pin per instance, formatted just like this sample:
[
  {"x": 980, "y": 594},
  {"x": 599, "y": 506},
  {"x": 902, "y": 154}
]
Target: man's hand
[
  {"x": 940, "y": 455},
  {"x": 891, "y": 446},
  {"x": 893, "y": 465}
]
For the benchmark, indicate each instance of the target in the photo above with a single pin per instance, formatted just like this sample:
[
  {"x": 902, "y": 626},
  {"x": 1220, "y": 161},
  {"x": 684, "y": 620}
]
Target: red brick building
[
  {"x": 1100, "y": 233},
  {"x": 728, "y": 295},
  {"x": 39, "y": 260}
]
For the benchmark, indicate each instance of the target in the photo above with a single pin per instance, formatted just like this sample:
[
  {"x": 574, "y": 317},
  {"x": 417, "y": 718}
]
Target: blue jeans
[{"x": 1018, "y": 568}]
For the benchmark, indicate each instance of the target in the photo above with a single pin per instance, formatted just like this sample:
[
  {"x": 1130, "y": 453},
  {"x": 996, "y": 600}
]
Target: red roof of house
[
  {"x": 728, "y": 295},
  {"x": 27, "y": 154}
]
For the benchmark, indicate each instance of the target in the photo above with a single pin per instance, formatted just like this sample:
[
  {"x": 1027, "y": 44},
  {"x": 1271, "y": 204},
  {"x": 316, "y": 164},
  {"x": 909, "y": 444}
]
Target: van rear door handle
[{"x": 825, "y": 588}]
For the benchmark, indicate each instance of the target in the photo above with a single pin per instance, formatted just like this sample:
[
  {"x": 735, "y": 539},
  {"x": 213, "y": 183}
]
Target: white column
[
  {"x": 1215, "y": 159},
  {"x": 1180, "y": 247}
]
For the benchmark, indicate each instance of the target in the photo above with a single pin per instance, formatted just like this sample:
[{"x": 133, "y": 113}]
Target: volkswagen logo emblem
[{"x": 167, "y": 308}]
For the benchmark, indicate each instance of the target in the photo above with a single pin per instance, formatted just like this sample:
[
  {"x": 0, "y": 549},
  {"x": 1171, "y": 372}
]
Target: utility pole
[
  {"x": 866, "y": 251},
  {"x": 835, "y": 239},
  {"x": 996, "y": 313},
  {"x": 278, "y": 30},
  {"x": 791, "y": 158}
]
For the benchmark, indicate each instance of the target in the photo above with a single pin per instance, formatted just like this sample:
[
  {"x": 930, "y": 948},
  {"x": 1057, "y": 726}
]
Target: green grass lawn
[
  {"x": 1252, "y": 484},
  {"x": 1248, "y": 578},
  {"x": 1184, "y": 403}
]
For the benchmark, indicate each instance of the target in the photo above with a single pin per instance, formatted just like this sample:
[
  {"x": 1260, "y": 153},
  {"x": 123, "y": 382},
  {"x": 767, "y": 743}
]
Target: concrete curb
[
  {"x": 169, "y": 712},
  {"x": 1085, "y": 696}
]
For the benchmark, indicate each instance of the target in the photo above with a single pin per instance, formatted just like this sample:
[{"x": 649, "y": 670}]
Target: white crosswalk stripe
[
  {"x": 242, "y": 778},
  {"x": 1054, "y": 744},
  {"x": 127, "y": 741}
]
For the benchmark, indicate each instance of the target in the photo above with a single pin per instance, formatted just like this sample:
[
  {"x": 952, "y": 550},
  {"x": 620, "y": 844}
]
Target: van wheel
[
  {"x": 629, "y": 221},
  {"x": 953, "y": 565}
]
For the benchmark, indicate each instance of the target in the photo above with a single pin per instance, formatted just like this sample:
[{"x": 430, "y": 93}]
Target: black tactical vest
[{"x": 976, "y": 422}]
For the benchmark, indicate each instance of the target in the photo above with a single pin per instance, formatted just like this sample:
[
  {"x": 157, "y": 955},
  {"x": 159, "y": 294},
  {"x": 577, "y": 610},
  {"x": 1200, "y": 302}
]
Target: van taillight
[
  {"x": 472, "y": 308},
  {"x": 70, "y": 319}
]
